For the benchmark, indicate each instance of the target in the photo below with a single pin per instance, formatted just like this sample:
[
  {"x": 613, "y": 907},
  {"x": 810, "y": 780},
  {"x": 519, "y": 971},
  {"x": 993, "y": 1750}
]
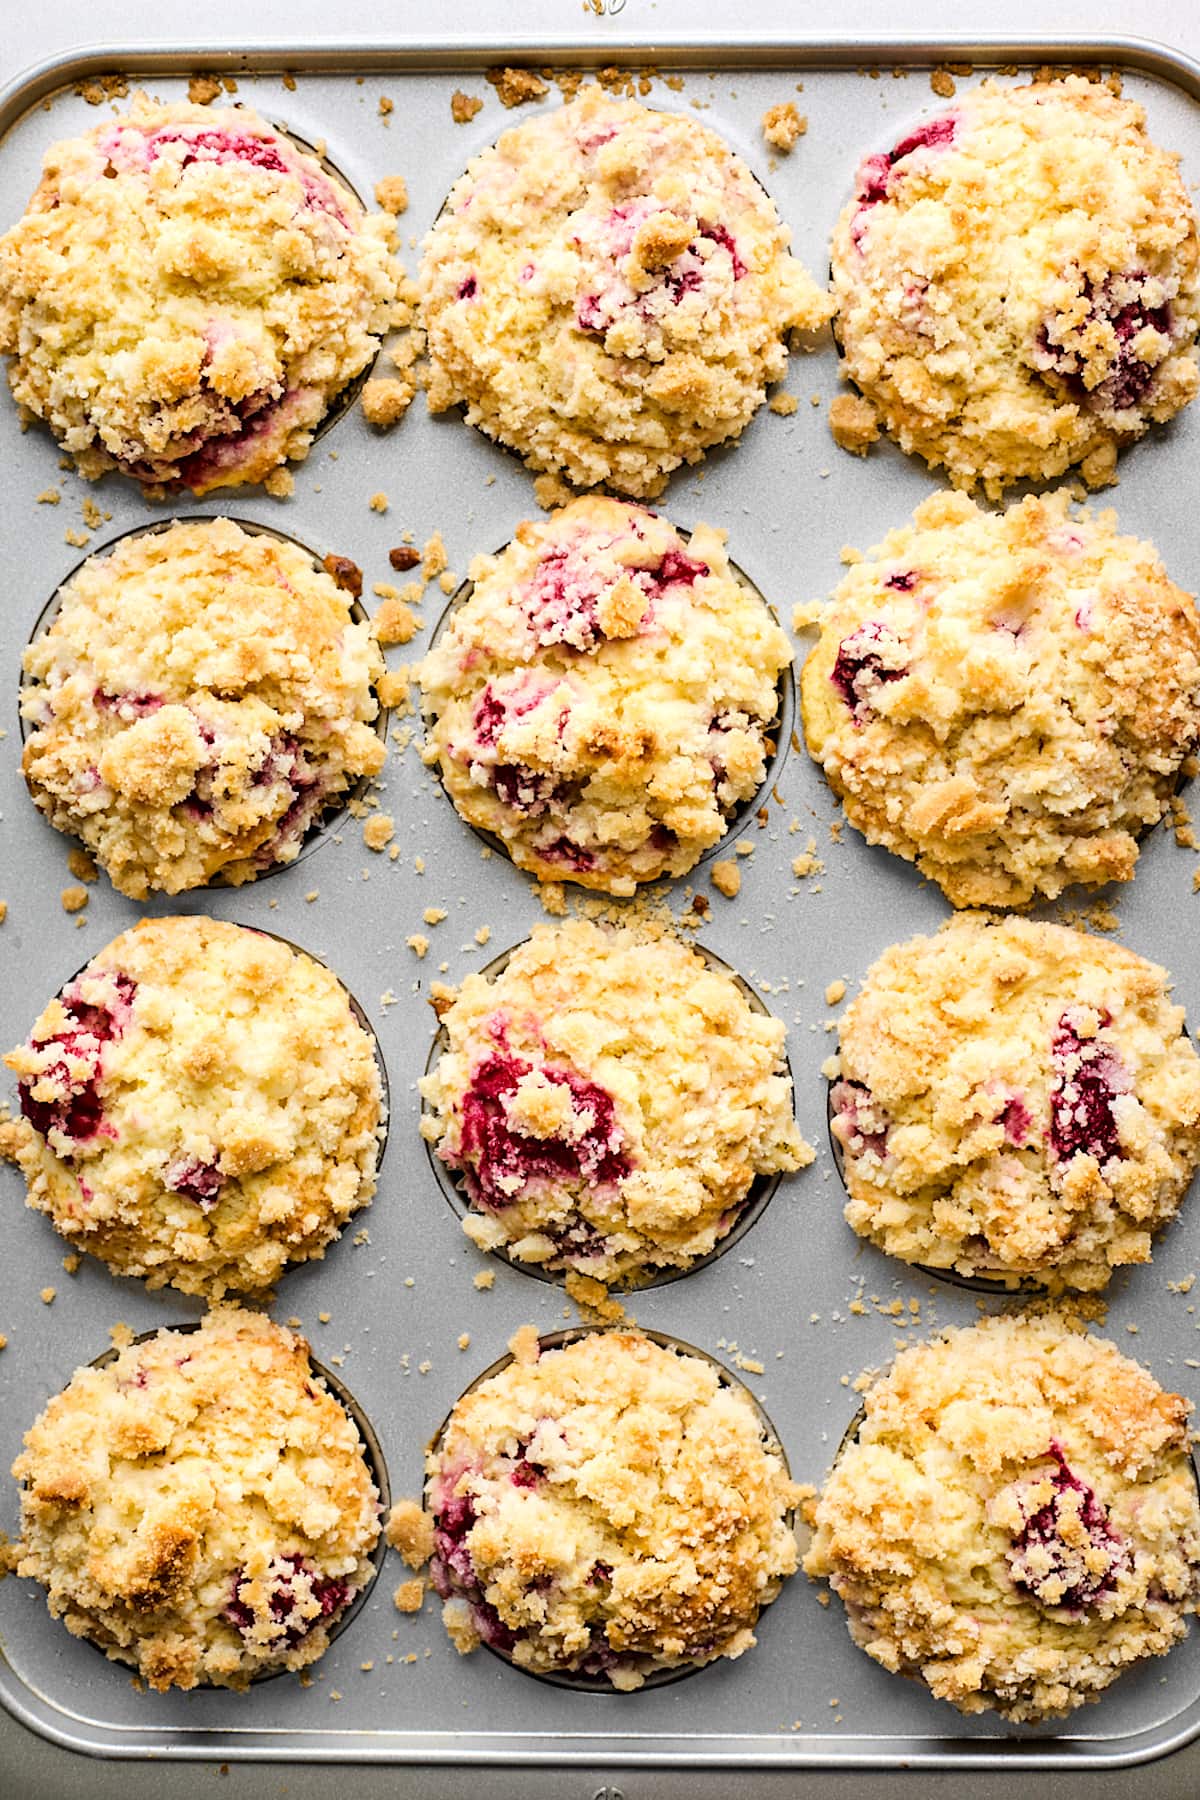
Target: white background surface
[{"x": 30, "y": 32}]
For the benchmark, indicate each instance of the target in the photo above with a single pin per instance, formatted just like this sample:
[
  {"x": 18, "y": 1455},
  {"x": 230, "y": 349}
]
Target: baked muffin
[
  {"x": 608, "y": 1100},
  {"x": 601, "y": 702},
  {"x": 608, "y": 1510},
  {"x": 607, "y": 291},
  {"x": 200, "y": 697},
  {"x": 1017, "y": 284},
  {"x": 1015, "y": 1100},
  {"x": 186, "y": 294},
  {"x": 200, "y": 1106},
  {"x": 1006, "y": 699},
  {"x": 201, "y": 1507},
  {"x": 1015, "y": 1522}
]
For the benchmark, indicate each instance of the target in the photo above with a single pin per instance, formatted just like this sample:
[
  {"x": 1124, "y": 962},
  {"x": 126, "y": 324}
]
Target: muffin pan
[{"x": 797, "y": 1306}]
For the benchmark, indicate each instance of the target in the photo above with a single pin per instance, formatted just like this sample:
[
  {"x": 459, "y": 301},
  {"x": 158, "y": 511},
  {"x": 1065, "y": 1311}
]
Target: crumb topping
[
  {"x": 186, "y": 294},
  {"x": 201, "y": 1508},
  {"x": 1016, "y": 1100},
  {"x": 200, "y": 698},
  {"x": 1018, "y": 284},
  {"x": 602, "y": 701},
  {"x": 610, "y": 1508},
  {"x": 200, "y": 1107},
  {"x": 1006, "y": 699},
  {"x": 608, "y": 291},
  {"x": 1016, "y": 1520},
  {"x": 608, "y": 1100}
]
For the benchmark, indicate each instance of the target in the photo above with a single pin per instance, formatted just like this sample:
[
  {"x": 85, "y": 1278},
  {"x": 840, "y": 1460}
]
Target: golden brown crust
[
  {"x": 608, "y": 1507},
  {"x": 1016, "y": 1100},
  {"x": 1006, "y": 699},
  {"x": 201, "y": 1508},
  {"x": 202, "y": 1107},
  {"x": 1016, "y": 1519}
]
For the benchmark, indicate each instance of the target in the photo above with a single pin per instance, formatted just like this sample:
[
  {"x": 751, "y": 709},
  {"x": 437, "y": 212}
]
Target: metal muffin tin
[{"x": 386, "y": 1314}]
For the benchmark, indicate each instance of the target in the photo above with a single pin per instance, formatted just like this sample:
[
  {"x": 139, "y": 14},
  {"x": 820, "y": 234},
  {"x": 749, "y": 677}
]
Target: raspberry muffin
[
  {"x": 186, "y": 294},
  {"x": 1017, "y": 284},
  {"x": 1015, "y": 1100},
  {"x": 200, "y": 1106},
  {"x": 201, "y": 1506},
  {"x": 601, "y": 702},
  {"x": 1015, "y": 1522},
  {"x": 200, "y": 697},
  {"x": 607, "y": 292},
  {"x": 1006, "y": 699},
  {"x": 608, "y": 1100},
  {"x": 610, "y": 1510}
]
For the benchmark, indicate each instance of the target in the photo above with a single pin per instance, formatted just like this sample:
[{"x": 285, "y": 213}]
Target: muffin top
[
  {"x": 186, "y": 293},
  {"x": 1015, "y": 1521},
  {"x": 607, "y": 1509},
  {"x": 601, "y": 701},
  {"x": 1017, "y": 284},
  {"x": 200, "y": 1106},
  {"x": 201, "y": 1508},
  {"x": 1015, "y": 1100},
  {"x": 201, "y": 695},
  {"x": 607, "y": 292},
  {"x": 1006, "y": 699},
  {"x": 608, "y": 1099}
]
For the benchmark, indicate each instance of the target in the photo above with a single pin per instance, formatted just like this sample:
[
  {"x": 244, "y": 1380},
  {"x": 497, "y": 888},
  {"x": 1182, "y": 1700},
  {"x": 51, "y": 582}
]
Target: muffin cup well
[
  {"x": 761, "y": 1192},
  {"x": 373, "y": 1455},
  {"x": 556, "y": 1340},
  {"x": 327, "y": 820},
  {"x": 778, "y": 734}
]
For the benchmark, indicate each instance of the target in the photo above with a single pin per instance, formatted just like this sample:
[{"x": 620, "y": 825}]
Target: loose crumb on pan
[
  {"x": 853, "y": 422},
  {"x": 378, "y": 502},
  {"x": 409, "y": 1530},
  {"x": 391, "y": 194},
  {"x": 523, "y": 1344},
  {"x": 3, "y": 911},
  {"x": 783, "y": 403},
  {"x": 516, "y": 86},
  {"x": 81, "y": 865},
  {"x": 463, "y": 107},
  {"x": 418, "y": 943},
  {"x": 727, "y": 879},
  {"x": 378, "y": 831},
  {"x": 942, "y": 83},
  {"x": 203, "y": 90},
  {"x": 386, "y": 400},
  {"x": 345, "y": 573},
  {"x": 782, "y": 126},
  {"x": 74, "y": 899},
  {"x": 47, "y": 1296},
  {"x": 484, "y": 1279},
  {"x": 409, "y": 1596}
]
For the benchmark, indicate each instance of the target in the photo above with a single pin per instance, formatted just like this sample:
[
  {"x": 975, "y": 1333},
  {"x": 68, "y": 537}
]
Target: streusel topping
[
  {"x": 1018, "y": 284},
  {"x": 608, "y": 1100},
  {"x": 200, "y": 698},
  {"x": 601, "y": 702},
  {"x": 201, "y": 1508},
  {"x": 186, "y": 294},
  {"x": 200, "y": 1106},
  {"x": 1016, "y": 1100},
  {"x": 608, "y": 291},
  {"x": 1016, "y": 1520},
  {"x": 1006, "y": 699},
  {"x": 608, "y": 1509}
]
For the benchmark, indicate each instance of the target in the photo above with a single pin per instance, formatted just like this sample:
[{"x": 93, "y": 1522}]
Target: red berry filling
[
  {"x": 1017, "y": 1121},
  {"x": 903, "y": 581},
  {"x": 1119, "y": 301},
  {"x": 331, "y": 1592},
  {"x": 860, "y": 1123},
  {"x": 78, "y": 1112},
  {"x": 196, "y": 1180},
  {"x": 1067, "y": 1553},
  {"x": 138, "y": 706},
  {"x": 859, "y": 668},
  {"x": 499, "y": 1161},
  {"x": 875, "y": 173},
  {"x": 1089, "y": 1076}
]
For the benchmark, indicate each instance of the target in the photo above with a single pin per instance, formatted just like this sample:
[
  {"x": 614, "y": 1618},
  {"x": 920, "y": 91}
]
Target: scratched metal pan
[{"x": 387, "y": 1312}]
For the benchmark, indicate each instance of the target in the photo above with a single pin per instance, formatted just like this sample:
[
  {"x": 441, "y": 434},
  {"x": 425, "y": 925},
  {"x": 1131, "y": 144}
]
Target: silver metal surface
[{"x": 790, "y": 500}]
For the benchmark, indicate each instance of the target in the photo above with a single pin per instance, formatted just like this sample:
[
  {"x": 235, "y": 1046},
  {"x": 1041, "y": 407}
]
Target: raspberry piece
[{"x": 1067, "y": 1553}]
